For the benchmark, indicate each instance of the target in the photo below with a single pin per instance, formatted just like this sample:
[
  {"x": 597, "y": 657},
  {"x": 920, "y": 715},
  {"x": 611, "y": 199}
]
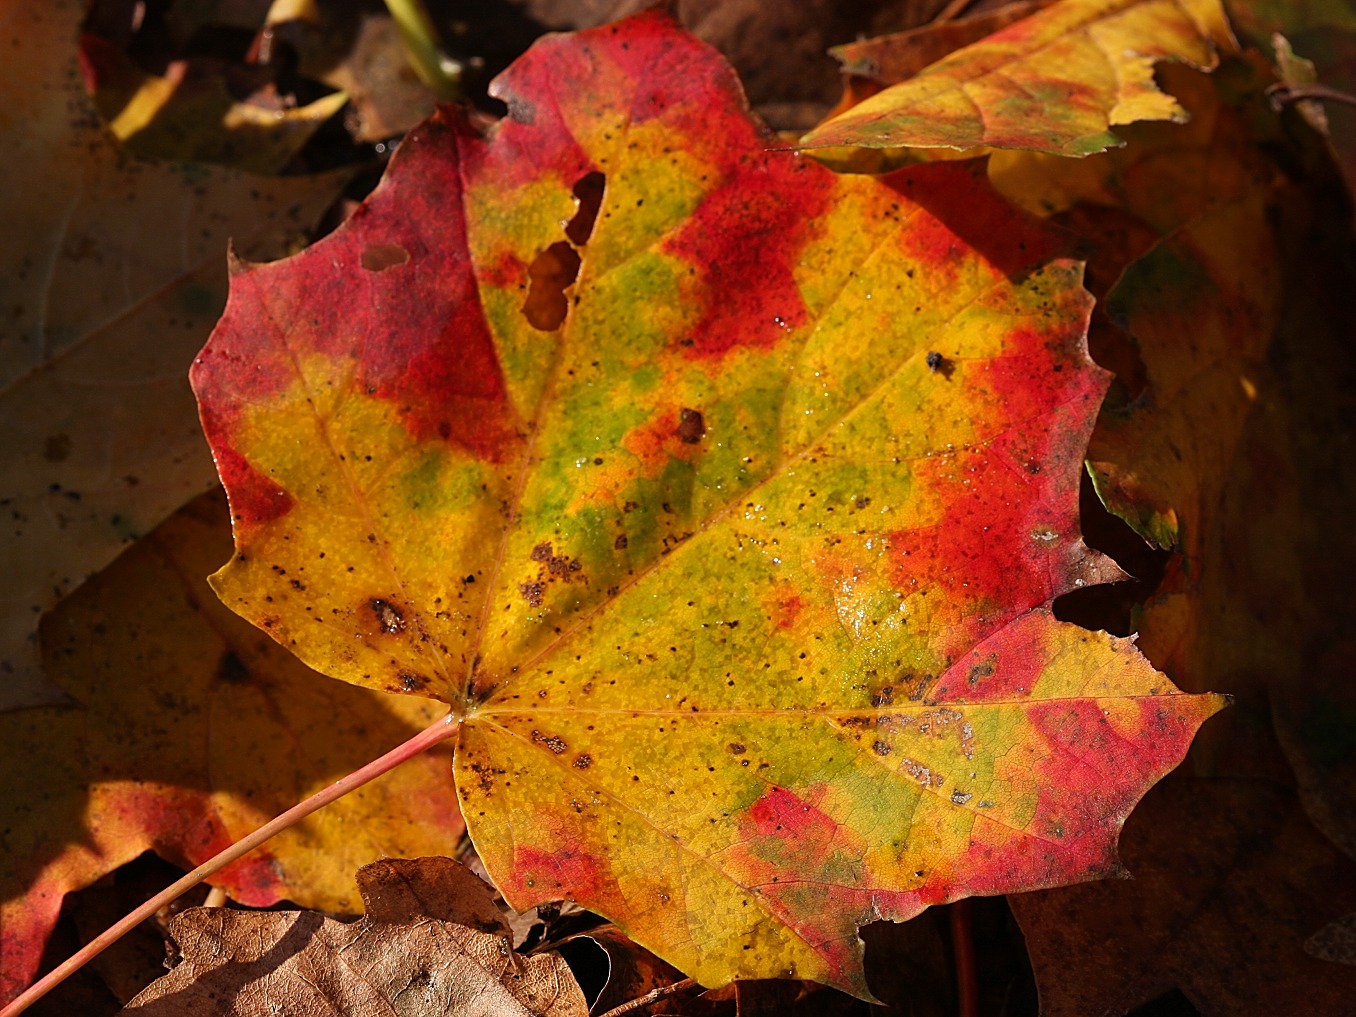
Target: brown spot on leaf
[
  {"x": 979, "y": 671},
  {"x": 881, "y": 748},
  {"x": 884, "y": 697},
  {"x": 532, "y": 593},
  {"x": 691, "y": 426},
  {"x": 737, "y": 748},
  {"x": 582, "y": 761},
  {"x": 553, "y": 742},
  {"x": 380, "y": 257},
  {"x": 231, "y": 669},
  {"x": 411, "y": 682},
  {"x": 388, "y": 616}
]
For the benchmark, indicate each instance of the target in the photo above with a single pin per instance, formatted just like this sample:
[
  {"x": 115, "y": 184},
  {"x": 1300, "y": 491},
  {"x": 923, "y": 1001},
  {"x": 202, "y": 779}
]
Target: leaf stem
[
  {"x": 1282, "y": 94},
  {"x": 440, "y": 730},
  {"x": 963, "y": 950},
  {"x": 435, "y": 68},
  {"x": 653, "y": 996}
]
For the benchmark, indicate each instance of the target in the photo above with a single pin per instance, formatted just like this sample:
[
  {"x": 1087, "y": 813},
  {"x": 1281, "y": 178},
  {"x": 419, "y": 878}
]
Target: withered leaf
[{"x": 432, "y": 942}]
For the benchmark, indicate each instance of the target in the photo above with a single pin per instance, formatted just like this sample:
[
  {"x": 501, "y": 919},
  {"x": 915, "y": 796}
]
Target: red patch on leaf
[
  {"x": 548, "y": 875},
  {"x": 959, "y": 196},
  {"x": 743, "y": 240},
  {"x": 255, "y": 499},
  {"x": 431, "y": 355},
  {"x": 189, "y": 830},
  {"x": 783, "y": 814}
]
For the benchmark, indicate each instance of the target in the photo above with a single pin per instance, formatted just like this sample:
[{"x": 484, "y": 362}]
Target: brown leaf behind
[{"x": 422, "y": 949}]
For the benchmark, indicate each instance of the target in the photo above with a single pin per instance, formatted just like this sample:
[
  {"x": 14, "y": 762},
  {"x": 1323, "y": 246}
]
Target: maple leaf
[
  {"x": 104, "y": 309},
  {"x": 431, "y": 943},
  {"x": 722, "y": 508},
  {"x": 190, "y": 729},
  {"x": 1053, "y": 82}
]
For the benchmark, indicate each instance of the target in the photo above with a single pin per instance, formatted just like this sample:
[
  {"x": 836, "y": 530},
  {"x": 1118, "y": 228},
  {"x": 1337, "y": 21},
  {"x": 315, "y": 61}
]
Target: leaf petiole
[{"x": 440, "y": 730}]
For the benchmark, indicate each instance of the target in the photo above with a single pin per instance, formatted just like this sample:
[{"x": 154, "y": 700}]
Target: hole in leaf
[
  {"x": 589, "y": 192},
  {"x": 1112, "y": 606},
  {"x": 551, "y": 272},
  {"x": 554, "y": 269}
]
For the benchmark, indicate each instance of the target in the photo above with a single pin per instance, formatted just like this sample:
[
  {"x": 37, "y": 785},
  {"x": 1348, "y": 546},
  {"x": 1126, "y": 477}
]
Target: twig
[
  {"x": 1282, "y": 94},
  {"x": 951, "y": 11},
  {"x": 439, "y": 730},
  {"x": 434, "y": 67},
  {"x": 653, "y": 996},
  {"x": 963, "y": 948}
]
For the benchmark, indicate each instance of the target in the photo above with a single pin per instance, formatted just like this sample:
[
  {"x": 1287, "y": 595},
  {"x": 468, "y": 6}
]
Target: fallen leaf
[
  {"x": 112, "y": 274},
  {"x": 792, "y": 90},
  {"x": 1054, "y": 82},
  {"x": 1322, "y": 35},
  {"x": 191, "y": 114},
  {"x": 363, "y": 55},
  {"x": 632, "y": 971},
  {"x": 725, "y": 521},
  {"x": 1231, "y": 455},
  {"x": 192, "y": 729},
  {"x": 1335, "y": 942},
  {"x": 1168, "y": 173},
  {"x": 1230, "y": 882},
  {"x": 898, "y": 56},
  {"x": 431, "y": 943}
]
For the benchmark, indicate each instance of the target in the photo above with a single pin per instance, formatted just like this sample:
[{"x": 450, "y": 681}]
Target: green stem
[
  {"x": 437, "y": 70},
  {"x": 440, "y": 730}
]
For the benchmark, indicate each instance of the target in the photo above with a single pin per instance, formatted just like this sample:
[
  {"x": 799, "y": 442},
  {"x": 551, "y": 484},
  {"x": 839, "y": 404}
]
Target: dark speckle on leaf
[
  {"x": 691, "y": 427},
  {"x": 938, "y": 364},
  {"x": 231, "y": 669}
]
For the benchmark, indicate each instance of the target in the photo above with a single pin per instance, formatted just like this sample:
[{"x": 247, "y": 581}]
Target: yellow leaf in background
[{"x": 1054, "y": 82}]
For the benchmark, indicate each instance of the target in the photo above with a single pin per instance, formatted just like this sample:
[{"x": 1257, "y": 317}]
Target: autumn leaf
[
  {"x": 1054, "y": 82},
  {"x": 890, "y": 59},
  {"x": 721, "y": 497},
  {"x": 1230, "y": 881},
  {"x": 1221, "y": 459},
  {"x": 1322, "y": 35},
  {"x": 112, "y": 275},
  {"x": 190, "y": 113},
  {"x": 431, "y": 943},
  {"x": 192, "y": 729}
]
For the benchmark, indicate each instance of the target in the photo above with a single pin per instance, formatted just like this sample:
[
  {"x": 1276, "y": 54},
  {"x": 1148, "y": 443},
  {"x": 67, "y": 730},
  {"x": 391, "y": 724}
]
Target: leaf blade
[
  {"x": 1055, "y": 82},
  {"x": 798, "y": 447}
]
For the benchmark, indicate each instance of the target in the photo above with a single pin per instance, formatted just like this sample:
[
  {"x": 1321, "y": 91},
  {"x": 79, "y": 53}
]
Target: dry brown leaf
[
  {"x": 112, "y": 273},
  {"x": 432, "y": 942}
]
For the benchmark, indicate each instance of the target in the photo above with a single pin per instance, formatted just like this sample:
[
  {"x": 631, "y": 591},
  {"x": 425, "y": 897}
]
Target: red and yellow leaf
[
  {"x": 725, "y": 520},
  {"x": 190, "y": 729},
  {"x": 1054, "y": 82}
]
